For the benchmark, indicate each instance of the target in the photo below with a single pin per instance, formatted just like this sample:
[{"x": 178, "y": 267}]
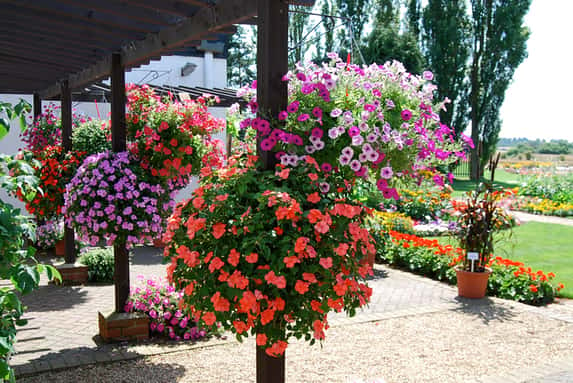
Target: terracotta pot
[
  {"x": 60, "y": 248},
  {"x": 472, "y": 284}
]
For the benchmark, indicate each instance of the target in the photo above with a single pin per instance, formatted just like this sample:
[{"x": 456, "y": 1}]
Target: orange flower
[
  {"x": 189, "y": 289},
  {"x": 277, "y": 348},
  {"x": 309, "y": 277},
  {"x": 234, "y": 257},
  {"x": 238, "y": 280},
  {"x": 209, "y": 318},
  {"x": 316, "y": 306},
  {"x": 198, "y": 202},
  {"x": 313, "y": 198},
  {"x": 240, "y": 326},
  {"x": 222, "y": 197},
  {"x": 533, "y": 288},
  {"x": 301, "y": 287},
  {"x": 318, "y": 329},
  {"x": 326, "y": 262},
  {"x": 248, "y": 302},
  {"x": 267, "y": 316},
  {"x": 261, "y": 339},
  {"x": 220, "y": 303},
  {"x": 300, "y": 244},
  {"x": 216, "y": 264},
  {"x": 291, "y": 261},
  {"x": 278, "y": 230},
  {"x": 218, "y": 230},
  {"x": 252, "y": 258},
  {"x": 342, "y": 249},
  {"x": 283, "y": 174}
]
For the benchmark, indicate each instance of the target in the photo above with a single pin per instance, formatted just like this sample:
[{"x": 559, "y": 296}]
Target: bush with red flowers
[
  {"x": 267, "y": 253},
  {"x": 54, "y": 169},
  {"x": 509, "y": 279},
  {"x": 171, "y": 139}
]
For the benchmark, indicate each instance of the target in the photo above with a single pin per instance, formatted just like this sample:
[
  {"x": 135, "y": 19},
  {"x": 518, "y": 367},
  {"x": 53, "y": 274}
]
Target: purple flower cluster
[
  {"x": 159, "y": 301},
  {"x": 49, "y": 233},
  {"x": 108, "y": 200}
]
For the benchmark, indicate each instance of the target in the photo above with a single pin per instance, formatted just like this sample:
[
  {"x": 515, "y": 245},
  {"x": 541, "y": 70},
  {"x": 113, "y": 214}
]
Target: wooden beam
[
  {"x": 37, "y": 105},
  {"x": 87, "y": 38},
  {"x": 38, "y": 48},
  {"x": 171, "y": 7},
  {"x": 224, "y": 14},
  {"x": 120, "y": 9},
  {"x": 51, "y": 9},
  {"x": 45, "y": 57},
  {"x": 76, "y": 47},
  {"x": 118, "y": 142},
  {"x": 66, "y": 97}
]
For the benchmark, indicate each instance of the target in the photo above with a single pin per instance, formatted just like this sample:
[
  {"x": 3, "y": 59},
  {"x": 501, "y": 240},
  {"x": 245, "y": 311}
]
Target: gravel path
[
  {"x": 526, "y": 217},
  {"x": 463, "y": 344}
]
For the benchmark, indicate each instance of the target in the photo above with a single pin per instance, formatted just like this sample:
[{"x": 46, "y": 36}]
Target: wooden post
[
  {"x": 118, "y": 142},
  {"x": 37, "y": 104},
  {"x": 66, "y": 100},
  {"x": 272, "y": 65}
]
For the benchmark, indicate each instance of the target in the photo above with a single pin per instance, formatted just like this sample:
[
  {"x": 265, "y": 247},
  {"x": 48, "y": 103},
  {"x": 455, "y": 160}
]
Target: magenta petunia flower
[
  {"x": 406, "y": 115},
  {"x": 353, "y": 131},
  {"x": 303, "y": 117},
  {"x": 326, "y": 167},
  {"x": 317, "y": 132},
  {"x": 283, "y": 115},
  {"x": 317, "y": 112},
  {"x": 293, "y": 107},
  {"x": 268, "y": 144}
]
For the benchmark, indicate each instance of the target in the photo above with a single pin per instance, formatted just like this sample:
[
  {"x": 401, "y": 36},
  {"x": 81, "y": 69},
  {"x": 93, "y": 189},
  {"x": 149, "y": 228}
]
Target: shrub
[
  {"x": 92, "y": 137},
  {"x": 159, "y": 300},
  {"x": 100, "y": 263},
  {"x": 509, "y": 279}
]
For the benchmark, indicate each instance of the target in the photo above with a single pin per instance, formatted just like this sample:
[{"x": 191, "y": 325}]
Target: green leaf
[{"x": 4, "y": 127}]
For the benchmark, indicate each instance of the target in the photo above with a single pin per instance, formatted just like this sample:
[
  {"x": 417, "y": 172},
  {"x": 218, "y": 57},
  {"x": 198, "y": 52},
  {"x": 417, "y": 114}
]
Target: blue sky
[{"x": 539, "y": 102}]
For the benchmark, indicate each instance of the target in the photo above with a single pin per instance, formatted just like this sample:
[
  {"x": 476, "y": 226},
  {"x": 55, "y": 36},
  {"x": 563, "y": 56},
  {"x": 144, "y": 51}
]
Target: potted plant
[
  {"x": 479, "y": 225},
  {"x": 49, "y": 235}
]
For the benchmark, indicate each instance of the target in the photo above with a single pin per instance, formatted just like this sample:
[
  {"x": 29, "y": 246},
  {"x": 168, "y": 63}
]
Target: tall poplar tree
[
  {"x": 242, "y": 57},
  {"x": 499, "y": 45},
  {"x": 446, "y": 43}
]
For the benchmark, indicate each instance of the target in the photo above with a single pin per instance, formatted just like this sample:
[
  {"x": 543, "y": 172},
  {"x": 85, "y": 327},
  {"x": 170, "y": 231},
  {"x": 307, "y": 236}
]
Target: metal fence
[{"x": 463, "y": 169}]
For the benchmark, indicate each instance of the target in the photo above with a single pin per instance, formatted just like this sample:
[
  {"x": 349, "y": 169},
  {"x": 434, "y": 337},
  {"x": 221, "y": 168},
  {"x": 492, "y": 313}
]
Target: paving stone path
[{"x": 62, "y": 321}]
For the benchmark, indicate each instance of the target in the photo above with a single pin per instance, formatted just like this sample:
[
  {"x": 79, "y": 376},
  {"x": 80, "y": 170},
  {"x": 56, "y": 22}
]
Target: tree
[
  {"x": 296, "y": 29},
  {"x": 414, "y": 18},
  {"x": 498, "y": 47},
  {"x": 446, "y": 33},
  {"x": 241, "y": 57},
  {"x": 386, "y": 41},
  {"x": 357, "y": 14}
]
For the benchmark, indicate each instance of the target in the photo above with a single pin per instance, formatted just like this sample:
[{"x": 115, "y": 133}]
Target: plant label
[{"x": 473, "y": 256}]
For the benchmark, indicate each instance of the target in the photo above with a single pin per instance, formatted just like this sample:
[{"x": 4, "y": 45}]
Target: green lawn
[
  {"x": 544, "y": 246},
  {"x": 502, "y": 179},
  {"x": 541, "y": 246}
]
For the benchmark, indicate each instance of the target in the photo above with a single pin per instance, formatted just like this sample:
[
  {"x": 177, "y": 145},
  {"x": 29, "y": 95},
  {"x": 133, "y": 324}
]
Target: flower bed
[
  {"x": 509, "y": 279},
  {"x": 160, "y": 301},
  {"x": 541, "y": 206}
]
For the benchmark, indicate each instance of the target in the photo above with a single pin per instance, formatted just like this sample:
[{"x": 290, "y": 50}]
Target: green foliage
[
  {"x": 12, "y": 112},
  {"x": 241, "y": 57},
  {"x": 16, "y": 265},
  {"x": 555, "y": 188},
  {"x": 357, "y": 14},
  {"x": 92, "y": 137},
  {"x": 499, "y": 41},
  {"x": 100, "y": 263},
  {"x": 447, "y": 49},
  {"x": 387, "y": 43},
  {"x": 296, "y": 32},
  {"x": 509, "y": 279}
]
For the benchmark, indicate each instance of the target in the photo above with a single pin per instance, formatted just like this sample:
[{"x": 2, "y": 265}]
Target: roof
[
  {"x": 101, "y": 92},
  {"x": 47, "y": 41},
  {"x": 44, "y": 42}
]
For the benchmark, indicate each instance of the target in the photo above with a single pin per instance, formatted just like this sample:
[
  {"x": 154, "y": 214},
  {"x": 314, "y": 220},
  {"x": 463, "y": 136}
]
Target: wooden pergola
[{"x": 51, "y": 47}]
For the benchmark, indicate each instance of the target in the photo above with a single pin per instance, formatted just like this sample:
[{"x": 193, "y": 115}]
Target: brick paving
[{"x": 62, "y": 321}]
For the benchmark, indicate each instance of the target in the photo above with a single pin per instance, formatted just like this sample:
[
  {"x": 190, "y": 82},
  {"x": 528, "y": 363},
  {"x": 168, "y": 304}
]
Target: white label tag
[{"x": 473, "y": 256}]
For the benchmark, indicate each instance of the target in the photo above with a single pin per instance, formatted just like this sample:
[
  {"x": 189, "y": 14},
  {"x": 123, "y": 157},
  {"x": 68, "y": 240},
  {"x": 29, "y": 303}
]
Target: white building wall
[{"x": 167, "y": 71}]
